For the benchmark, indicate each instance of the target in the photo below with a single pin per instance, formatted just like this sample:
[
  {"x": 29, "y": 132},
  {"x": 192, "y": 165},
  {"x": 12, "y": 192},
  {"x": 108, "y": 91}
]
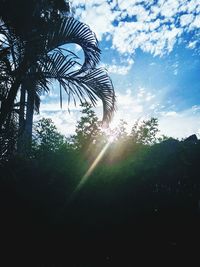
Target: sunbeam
[{"x": 89, "y": 172}]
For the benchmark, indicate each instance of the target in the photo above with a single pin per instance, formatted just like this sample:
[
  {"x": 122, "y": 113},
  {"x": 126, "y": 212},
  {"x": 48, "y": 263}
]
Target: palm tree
[
  {"x": 39, "y": 59},
  {"x": 21, "y": 31}
]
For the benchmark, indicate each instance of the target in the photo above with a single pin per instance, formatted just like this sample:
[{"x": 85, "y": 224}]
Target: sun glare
[
  {"x": 111, "y": 134},
  {"x": 111, "y": 138},
  {"x": 89, "y": 172}
]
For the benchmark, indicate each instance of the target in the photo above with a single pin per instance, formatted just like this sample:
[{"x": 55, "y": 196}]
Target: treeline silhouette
[{"x": 144, "y": 192}]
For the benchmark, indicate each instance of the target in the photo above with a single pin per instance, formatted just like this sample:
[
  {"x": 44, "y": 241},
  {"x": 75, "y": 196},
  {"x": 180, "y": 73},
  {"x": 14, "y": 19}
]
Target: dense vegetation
[{"x": 144, "y": 190}]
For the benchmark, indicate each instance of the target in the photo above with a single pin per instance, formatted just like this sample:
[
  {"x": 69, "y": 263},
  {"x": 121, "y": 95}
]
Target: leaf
[
  {"x": 69, "y": 30},
  {"x": 92, "y": 84}
]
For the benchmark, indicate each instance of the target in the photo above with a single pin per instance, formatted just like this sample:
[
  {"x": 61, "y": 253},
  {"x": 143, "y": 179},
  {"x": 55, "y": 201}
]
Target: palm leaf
[
  {"x": 69, "y": 30},
  {"x": 90, "y": 85}
]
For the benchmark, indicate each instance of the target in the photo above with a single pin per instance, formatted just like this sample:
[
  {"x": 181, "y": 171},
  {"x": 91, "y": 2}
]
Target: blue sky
[{"x": 151, "y": 50}]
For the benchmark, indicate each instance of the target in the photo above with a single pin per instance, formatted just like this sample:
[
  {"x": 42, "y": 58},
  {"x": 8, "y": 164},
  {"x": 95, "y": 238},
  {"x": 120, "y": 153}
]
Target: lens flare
[
  {"x": 89, "y": 172},
  {"x": 111, "y": 134}
]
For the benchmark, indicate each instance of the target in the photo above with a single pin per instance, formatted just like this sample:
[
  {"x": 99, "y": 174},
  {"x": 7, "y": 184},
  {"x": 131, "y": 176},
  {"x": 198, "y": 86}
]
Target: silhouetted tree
[
  {"x": 120, "y": 132},
  {"x": 88, "y": 130},
  {"x": 145, "y": 132},
  {"x": 46, "y": 137}
]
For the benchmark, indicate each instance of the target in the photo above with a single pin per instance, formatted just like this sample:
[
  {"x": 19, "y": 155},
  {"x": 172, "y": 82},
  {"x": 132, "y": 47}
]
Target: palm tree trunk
[
  {"x": 27, "y": 136},
  {"x": 7, "y": 104},
  {"x": 20, "y": 141},
  {"x": 26, "y": 118},
  {"x": 22, "y": 106}
]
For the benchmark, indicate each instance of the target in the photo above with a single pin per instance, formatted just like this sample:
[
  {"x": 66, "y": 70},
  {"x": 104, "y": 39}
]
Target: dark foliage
[{"x": 145, "y": 200}]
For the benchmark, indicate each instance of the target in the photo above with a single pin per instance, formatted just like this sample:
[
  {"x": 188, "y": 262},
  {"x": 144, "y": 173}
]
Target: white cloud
[
  {"x": 120, "y": 69},
  {"x": 186, "y": 19},
  {"x": 180, "y": 124},
  {"x": 99, "y": 18},
  {"x": 154, "y": 30},
  {"x": 195, "y": 109},
  {"x": 139, "y": 105},
  {"x": 64, "y": 121},
  {"x": 55, "y": 106},
  {"x": 129, "y": 108},
  {"x": 195, "y": 23},
  {"x": 168, "y": 8},
  {"x": 192, "y": 44},
  {"x": 170, "y": 114},
  {"x": 143, "y": 104}
]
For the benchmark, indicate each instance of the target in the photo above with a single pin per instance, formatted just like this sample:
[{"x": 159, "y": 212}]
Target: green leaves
[
  {"x": 87, "y": 129},
  {"x": 46, "y": 137},
  {"x": 145, "y": 132}
]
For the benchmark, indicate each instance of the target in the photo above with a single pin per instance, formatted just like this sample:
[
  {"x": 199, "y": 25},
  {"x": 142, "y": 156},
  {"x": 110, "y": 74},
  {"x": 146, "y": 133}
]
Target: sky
[{"x": 151, "y": 50}]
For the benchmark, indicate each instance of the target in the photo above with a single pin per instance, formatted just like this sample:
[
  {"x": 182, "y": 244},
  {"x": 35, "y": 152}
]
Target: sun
[
  {"x": 111, "y": 139},
  {"x": 110, "y": 134}
]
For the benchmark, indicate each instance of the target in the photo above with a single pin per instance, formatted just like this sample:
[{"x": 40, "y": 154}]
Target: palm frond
[
  {"x": 90, "y": 85},
  {"x": 69, "y": 30},
  {"x": 59, "y": 64}
]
